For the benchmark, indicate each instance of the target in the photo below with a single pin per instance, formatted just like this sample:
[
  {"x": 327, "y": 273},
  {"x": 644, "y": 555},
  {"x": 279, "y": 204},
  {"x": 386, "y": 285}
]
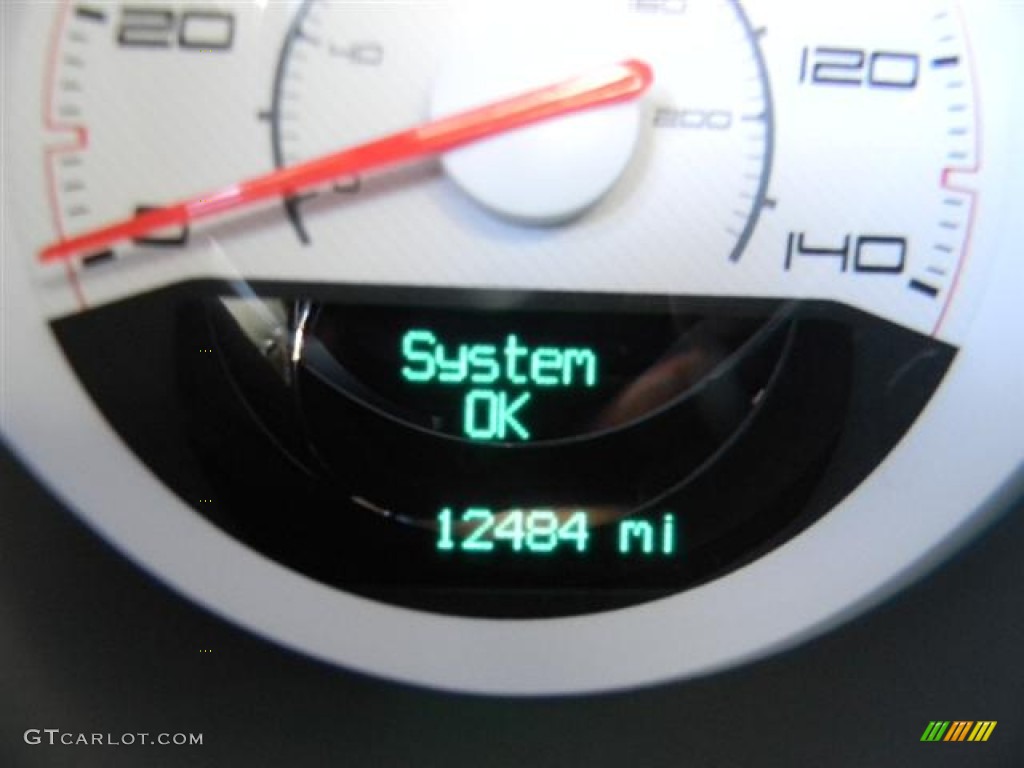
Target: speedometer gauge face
[{"x": 511, "y": 328}]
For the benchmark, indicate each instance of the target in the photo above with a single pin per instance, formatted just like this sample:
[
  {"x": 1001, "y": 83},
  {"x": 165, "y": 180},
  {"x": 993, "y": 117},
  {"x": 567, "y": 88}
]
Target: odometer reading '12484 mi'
[{"x": 543, "y": 531}]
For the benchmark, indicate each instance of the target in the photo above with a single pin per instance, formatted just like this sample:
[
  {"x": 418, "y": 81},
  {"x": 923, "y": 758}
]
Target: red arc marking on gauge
[
  {"x": 947, "y": 182},
  {"x": 604, "y": 86},
  {"x": 81, "y": 141}
]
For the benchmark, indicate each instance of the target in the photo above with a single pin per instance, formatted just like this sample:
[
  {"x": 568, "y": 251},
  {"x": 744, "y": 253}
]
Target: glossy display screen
[{"x": 489, "y": 453}]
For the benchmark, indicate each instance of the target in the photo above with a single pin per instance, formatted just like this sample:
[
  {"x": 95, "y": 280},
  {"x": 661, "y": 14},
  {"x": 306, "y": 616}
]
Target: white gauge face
[
  {"x": 607, "y": 378},
  {"x": 679, "y": 209}
]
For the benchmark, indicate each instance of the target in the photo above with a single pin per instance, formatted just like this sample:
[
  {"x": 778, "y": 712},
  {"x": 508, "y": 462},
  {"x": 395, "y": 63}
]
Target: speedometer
[{"x": 509, "y": 330}]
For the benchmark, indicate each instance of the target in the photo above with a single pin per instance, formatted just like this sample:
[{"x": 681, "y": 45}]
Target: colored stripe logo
[{"x": 958, "y": 730}]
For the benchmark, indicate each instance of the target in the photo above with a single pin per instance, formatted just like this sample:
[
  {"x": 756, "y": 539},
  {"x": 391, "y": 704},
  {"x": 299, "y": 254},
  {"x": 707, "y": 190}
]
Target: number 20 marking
[{"x": 155, "y": 28}]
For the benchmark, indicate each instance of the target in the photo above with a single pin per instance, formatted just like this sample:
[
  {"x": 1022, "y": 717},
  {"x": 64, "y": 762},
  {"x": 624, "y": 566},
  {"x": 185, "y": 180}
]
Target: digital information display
[
  {"x": 502, "y": 454},
  {"x": 498, "y": 380}
]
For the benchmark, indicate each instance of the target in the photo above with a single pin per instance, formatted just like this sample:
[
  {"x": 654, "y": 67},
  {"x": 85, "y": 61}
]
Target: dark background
[{"x": 88, "y": 643}]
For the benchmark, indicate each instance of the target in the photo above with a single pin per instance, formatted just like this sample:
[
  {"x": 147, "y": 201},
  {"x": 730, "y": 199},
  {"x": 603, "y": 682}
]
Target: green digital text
[
  {"x": 501, "y": 378},
  {"x": 646, "y": 537},
  {"x": 533, "y": 531},
  {"x": 482, "y": 531},
  {"x": 427, "y": 360}
]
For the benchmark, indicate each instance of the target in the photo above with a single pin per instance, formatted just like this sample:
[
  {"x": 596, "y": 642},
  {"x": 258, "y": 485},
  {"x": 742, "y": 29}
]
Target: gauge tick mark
[
  {"x": 928, "y": 290},
  {"x": 95, "y": 259},
  {"x": 90, "y": 14}
]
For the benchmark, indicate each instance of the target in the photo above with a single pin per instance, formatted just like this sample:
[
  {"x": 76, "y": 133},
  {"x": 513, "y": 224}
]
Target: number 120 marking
[{"x": 859, "y": 68}]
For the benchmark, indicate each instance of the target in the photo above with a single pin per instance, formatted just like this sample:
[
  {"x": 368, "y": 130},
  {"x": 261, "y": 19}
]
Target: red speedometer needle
[{"x": 608, "y": 85}]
